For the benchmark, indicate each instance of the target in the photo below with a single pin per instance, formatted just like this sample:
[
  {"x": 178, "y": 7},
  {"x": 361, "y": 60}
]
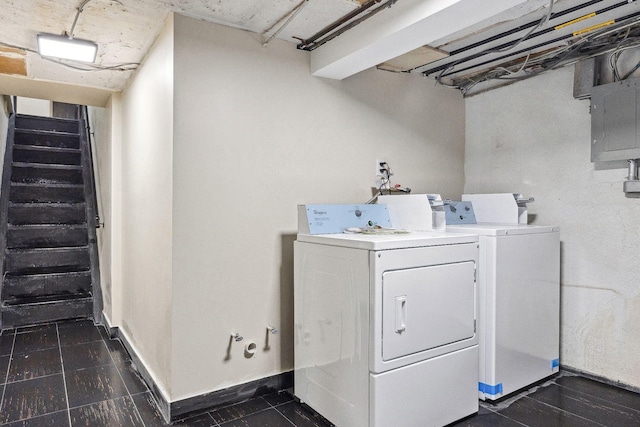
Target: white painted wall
[
  {"x": 115, "y": 210},
  {"x": 533, "y": 137},
  {"x": 146, "y": 210},
  {"x": 254, "y": 136},
  {"x": 221, "y": 139},
  {"x": 100, "y": 122},
  {"x": 4, "y": 128},
  {"x": 34, "y": 106},
  {"x": 55, "y": 91}
]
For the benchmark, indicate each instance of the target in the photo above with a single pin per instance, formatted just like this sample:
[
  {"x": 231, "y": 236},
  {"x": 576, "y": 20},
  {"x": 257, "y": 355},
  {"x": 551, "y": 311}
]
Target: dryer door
[{"x": 427, "y": 307}]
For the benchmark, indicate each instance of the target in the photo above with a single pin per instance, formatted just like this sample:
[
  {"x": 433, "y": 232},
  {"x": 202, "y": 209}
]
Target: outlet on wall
[
  {"x": 383, "y": 173},
  {"x": 382, "y": 168}
]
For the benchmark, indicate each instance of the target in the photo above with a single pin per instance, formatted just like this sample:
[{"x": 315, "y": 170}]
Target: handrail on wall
[
  {"x": 85, "y": 116},
  {"x": 92, "y": 212}
]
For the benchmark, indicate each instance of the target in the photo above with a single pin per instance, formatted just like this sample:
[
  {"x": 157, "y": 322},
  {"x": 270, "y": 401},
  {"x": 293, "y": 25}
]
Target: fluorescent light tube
[{"x": 55, "y": 46}]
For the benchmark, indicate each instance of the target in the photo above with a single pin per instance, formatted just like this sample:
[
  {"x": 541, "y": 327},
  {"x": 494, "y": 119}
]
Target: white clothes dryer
[{"x": 385, "y": 327}]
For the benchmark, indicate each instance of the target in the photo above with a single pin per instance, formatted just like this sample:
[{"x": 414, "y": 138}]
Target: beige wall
[
  {"x": 145, "y": 227},
  {"x": 34, "y": 107},
  {"x": 116, "y": 214},
  {"x": 105, "y": 143},
  {"x": 55, "y": 91},
  {"x": 220, "y": 140},
  {"x": 255, "y": 135},
  {"x": 4, "y": 128},
  {"x": 533, "y": 137}
]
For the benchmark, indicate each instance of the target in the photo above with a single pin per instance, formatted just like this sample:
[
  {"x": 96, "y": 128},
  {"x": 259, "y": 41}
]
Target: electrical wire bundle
[{"x": 613, "y": 39}]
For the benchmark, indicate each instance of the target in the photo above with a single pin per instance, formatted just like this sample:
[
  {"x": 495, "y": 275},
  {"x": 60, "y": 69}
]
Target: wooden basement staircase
[{"x": 49, "y": 268}]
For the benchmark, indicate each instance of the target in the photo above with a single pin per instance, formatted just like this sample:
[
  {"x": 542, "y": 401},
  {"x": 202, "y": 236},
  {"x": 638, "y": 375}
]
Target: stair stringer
[{"x": 5, "y": 186}]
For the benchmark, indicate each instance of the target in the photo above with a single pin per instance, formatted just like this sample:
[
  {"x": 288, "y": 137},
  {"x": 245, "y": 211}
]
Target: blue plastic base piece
[{"x": 490, "y": 389}]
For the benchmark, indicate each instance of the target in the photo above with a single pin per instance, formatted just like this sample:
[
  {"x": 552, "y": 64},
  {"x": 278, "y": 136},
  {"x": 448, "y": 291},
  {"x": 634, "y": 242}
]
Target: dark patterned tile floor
[
  {"x": 71, "y": 374},
  {"x": 566, "y": 400}
]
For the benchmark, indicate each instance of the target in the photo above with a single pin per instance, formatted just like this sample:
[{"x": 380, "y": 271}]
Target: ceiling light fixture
[
  {"x": 63, "y": 47},
  {"x": 67, "y": 47}
]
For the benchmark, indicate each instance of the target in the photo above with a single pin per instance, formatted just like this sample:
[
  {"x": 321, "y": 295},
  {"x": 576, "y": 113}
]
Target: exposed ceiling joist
[
  {"x": 407, "y": 25},
  {"x": 501, "y": 54},
  {"x": 468, "y": 44}
]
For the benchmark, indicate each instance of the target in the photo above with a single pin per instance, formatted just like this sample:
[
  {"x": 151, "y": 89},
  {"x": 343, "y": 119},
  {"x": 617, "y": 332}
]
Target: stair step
[
  {"x": 47, "y": 260},
  {"x": 47, "y": 213},
  {"x": 46, "y": 155},
  {"x": 46, "y": 193},
  {"x": 45, "y": 138},
  {"x": 46, "y": 236},
  {"x": 14, "y": 316},
  {"x": 40, "y": 299},
  {"x": 19, "y": 287},
  {"x": 47, "y": 268},
  {"x": 56, "y": 124},
  {"x": 46, "y": 173}
]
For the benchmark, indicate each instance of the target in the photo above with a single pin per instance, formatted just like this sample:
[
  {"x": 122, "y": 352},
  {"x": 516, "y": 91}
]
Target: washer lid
[
  {"x": 414, "y": 239},
  {"x": 489, "y": 229}
]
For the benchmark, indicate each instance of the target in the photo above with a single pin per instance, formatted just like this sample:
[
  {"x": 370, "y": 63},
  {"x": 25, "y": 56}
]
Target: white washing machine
[
  {"x": 519, "y": 304},
  {"x": 385, "y": 327}
]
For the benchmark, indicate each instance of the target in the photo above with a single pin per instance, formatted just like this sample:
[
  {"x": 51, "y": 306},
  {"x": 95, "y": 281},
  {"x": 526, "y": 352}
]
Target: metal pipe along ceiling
[
  {"x": 343, "y": 24},
  {"x": 569, "y": 35},
  {"x": 517, "y": 29}
]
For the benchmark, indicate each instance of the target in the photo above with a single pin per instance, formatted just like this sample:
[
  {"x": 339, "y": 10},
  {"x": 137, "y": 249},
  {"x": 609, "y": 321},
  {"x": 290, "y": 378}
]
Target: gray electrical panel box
[{"x": 615, "y": 116}]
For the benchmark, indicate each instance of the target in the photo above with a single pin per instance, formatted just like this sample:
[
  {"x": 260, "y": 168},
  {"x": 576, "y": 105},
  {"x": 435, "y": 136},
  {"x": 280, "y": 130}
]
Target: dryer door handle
[{"x": 401, "y": 314}]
